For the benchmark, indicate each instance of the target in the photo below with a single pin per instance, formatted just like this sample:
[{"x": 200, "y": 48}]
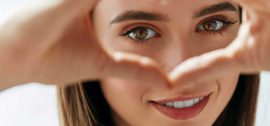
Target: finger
[
  {"x": 134, "y": 67},
  {"x": 255, "y": 5},
  {"x": 129, "y": 66},
  {"x": 205, "y": 68},
  {"x": 79, "y": 7},
  {"x": 43, "y": 20}
]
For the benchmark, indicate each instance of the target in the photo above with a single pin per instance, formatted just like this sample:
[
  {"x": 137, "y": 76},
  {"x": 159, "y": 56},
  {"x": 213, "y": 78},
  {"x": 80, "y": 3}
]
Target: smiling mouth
[
  {"x": 180, "y": 108},
  {"x": 184, "y": 104}
]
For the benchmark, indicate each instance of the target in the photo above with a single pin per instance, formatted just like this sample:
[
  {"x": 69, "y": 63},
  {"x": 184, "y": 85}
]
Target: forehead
[{"x": 169, "y": 7}]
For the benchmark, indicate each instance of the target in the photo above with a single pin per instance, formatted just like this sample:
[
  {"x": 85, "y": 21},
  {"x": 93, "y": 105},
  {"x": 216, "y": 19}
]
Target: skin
[
  {"x": 67, "y": 50},
  {"x": 52, "y": 42},
  {"x": 178, "y": 42},
  {"x": 246, "y": 54}
]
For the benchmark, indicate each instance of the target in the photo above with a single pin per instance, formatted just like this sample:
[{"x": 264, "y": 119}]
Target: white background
[{"x": 36, "y": 105}]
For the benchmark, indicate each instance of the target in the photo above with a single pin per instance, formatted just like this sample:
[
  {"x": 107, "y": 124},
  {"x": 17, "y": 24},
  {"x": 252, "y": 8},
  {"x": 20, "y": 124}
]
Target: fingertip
[
  {"x": 117, "y": 56},
  {"x": 147, "y": 62},
  {"x": 135, "y": 67},
  {"x": 169, "y": 83}
]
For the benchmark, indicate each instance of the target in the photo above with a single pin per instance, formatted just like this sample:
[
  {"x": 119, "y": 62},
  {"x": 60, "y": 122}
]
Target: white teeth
[
  {"x": 196, "y": 100},
  {"x": 170, "y": 104},
  {"x": 184, "y": 104},
  {"x": 189, "y": 103},
  {"x": 179, "y": 104}
]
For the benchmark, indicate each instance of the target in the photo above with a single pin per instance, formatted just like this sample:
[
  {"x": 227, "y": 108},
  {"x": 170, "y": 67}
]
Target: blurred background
[{"x": 36, "y": 105}]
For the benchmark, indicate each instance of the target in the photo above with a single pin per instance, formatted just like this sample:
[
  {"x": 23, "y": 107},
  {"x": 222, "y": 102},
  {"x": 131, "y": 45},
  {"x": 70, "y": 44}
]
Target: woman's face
[{"x": 168, "y": 31}]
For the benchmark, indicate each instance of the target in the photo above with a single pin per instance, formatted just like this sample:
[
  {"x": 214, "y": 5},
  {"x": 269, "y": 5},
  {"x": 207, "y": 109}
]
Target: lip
[{"x": 180, "y": 113}]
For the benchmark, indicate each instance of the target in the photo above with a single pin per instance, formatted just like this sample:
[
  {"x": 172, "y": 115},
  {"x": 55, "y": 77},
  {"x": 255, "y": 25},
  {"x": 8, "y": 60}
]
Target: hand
[
  {"x": 248, "y": 53},
  {"x": 53, "y": 42}
]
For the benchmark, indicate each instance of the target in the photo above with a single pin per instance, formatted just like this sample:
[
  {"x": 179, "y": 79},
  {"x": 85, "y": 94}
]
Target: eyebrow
[
  {"x": 140, "y": 15},
  {"x": 153, "y": 16},
  {"x": 225, "y": 6}
]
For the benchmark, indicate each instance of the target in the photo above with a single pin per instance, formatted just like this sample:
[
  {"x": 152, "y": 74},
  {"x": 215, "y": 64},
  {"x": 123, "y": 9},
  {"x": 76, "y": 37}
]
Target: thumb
[{"x": 134, "y": 67}]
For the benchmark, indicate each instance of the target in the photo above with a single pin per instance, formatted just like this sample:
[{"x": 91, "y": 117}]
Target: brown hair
[{"x": 84, "y": 104}]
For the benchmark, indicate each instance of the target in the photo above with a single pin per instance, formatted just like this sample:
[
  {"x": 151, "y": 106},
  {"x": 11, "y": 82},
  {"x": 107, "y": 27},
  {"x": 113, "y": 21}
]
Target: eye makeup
[
  {"x": 224, "y": 21},
  {"x": 142, "y": 33}
]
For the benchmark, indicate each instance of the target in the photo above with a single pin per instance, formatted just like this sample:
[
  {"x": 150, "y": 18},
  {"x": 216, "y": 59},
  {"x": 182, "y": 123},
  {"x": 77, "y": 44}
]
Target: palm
[
  {"x": 53, "y": 43},
  {"x": 74, "y": 56}
]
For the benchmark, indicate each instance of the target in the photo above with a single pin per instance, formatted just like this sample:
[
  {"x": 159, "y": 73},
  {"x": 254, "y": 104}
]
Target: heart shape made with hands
[
  {"x": 66, "y": 55},
  {"x": 247, "y": 54}
]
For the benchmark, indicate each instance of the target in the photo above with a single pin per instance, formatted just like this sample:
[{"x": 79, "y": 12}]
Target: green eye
[{"x": 141, "y": 34}]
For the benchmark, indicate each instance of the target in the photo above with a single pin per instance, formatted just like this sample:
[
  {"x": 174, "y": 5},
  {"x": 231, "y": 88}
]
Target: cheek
[
  {"x": 125, "y": 97},
  {"x": 119, "y": 87},
  {"x": 226, "y": 88}
]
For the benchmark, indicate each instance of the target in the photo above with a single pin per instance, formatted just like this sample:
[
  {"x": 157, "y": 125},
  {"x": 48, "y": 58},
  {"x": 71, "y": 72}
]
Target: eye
[
  {"x": 141, "y": 33},
  {"x": 211, "y": 26},
  {"x": 215, "y": 24}
]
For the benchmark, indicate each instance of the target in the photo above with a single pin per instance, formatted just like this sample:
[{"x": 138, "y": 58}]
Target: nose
[{"x": 176, "y": 53}]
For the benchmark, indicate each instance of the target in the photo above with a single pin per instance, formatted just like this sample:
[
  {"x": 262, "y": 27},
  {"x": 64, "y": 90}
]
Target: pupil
[
  {"x": 141, "y": 33},
  {"x": 210, "y": 26}
]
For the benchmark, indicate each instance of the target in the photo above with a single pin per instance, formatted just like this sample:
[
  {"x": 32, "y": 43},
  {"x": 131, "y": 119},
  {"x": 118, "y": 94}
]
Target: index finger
[{"x": 205, "y": 68}]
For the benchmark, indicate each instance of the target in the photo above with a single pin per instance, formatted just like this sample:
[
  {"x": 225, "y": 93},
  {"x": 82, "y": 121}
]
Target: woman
[
  {"x": 153, "y": 29},
  {"x": 187, "y": 100}
]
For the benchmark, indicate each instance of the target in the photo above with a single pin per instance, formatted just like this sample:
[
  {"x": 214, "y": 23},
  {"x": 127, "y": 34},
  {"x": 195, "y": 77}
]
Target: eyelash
[
  {"x": 133, "y": 27},
  {"x": 226, "y": 23}
]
